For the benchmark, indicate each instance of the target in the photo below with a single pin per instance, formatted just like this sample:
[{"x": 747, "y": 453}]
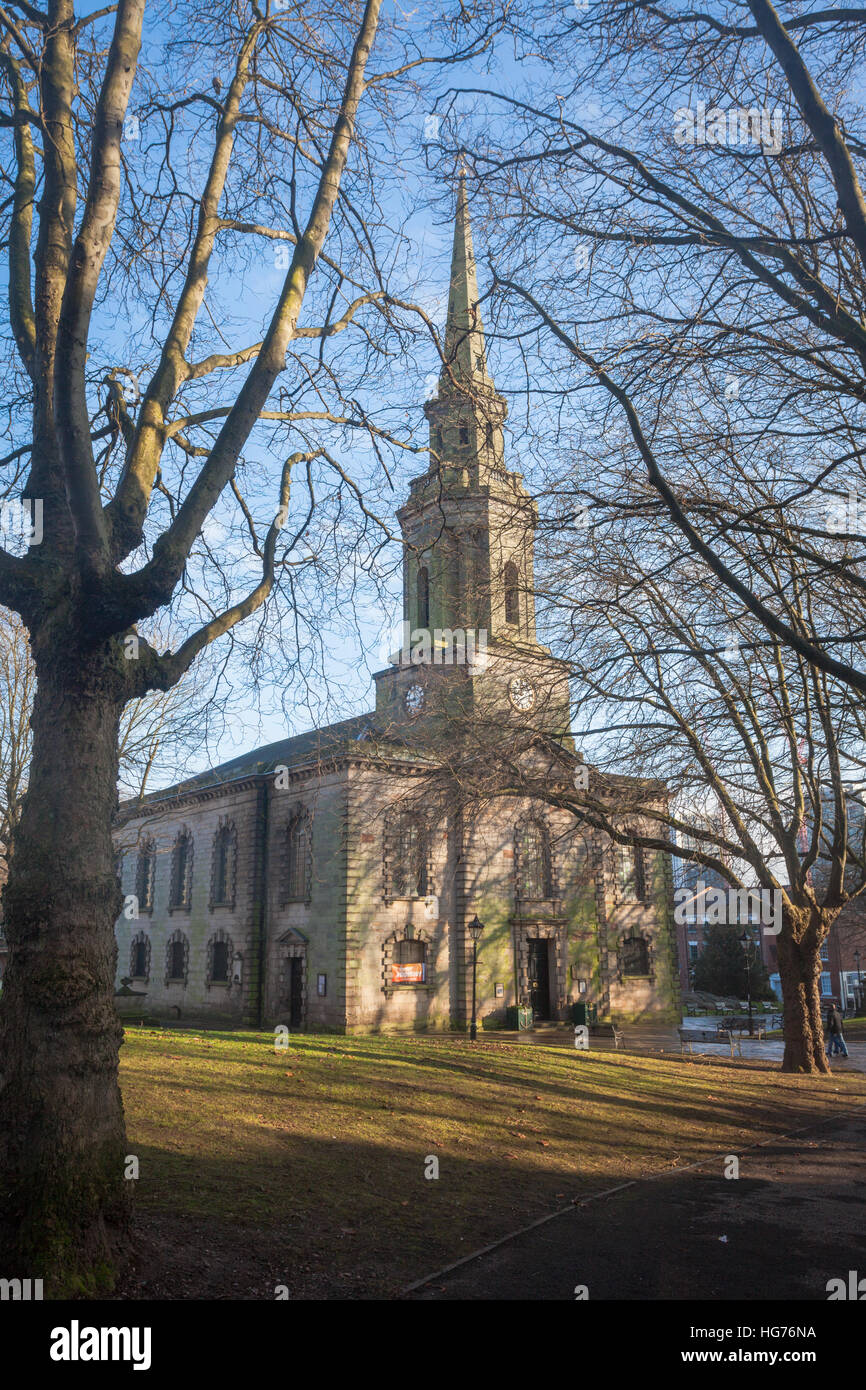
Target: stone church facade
[{"x": 320, "y": 883}]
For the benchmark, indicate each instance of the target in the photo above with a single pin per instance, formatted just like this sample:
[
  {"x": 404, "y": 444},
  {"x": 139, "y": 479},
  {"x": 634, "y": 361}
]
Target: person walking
[{"x": 835, "y": 1040}]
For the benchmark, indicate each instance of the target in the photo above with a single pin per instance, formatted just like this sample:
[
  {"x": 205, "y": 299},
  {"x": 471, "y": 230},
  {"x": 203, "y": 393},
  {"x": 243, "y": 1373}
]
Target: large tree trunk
[
  {"x": 64, "y": 1204},
  {"x": 799, "y": 950}
]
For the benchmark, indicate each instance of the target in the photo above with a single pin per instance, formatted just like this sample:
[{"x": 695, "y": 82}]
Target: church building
[{"x": 329, "y": 881}]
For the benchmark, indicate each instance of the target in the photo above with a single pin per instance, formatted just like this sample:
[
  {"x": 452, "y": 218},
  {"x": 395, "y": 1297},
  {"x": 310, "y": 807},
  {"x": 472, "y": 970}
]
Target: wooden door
[{"x": 539, "y": 977}]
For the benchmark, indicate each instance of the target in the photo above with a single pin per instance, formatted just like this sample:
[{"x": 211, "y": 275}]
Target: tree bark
[
  {"x": 800, "y": 968},
  {"x": 64, "y": 1203}
]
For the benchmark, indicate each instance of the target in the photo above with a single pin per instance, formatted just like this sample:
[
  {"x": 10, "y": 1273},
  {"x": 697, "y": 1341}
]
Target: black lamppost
[
  {"x": 748, "y": 944},
  {"x": 859, "y": 981},
  {"x": 475, "y": 929}
]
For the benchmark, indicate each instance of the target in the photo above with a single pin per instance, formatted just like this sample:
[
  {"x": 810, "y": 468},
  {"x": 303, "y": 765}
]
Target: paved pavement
[
  {"x": 789, "y": 1223},
  {"x": 639, "y": 1037}
]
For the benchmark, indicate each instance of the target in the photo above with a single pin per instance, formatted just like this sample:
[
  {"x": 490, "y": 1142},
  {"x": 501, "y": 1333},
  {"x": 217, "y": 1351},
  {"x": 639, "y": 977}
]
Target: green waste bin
[
  {"x": 578, "y": 1012},
  {"x": 518, "y": 1017}
]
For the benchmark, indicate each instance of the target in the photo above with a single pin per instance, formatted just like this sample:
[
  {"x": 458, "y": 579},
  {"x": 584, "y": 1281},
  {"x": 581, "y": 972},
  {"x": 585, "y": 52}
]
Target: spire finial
[{"x": 465, "y": 352}]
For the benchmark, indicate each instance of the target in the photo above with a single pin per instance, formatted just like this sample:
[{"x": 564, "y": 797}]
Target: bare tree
[
  {"x": 159, "y": 732},
  {"x": 677, "y": 241},
  {"x": 705, "y": 737},
  {"x": 146, "y": 412}
]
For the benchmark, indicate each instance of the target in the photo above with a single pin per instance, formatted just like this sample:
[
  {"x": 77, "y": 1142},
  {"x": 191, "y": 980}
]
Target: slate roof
[
  {"x": 286, "y": 751},
  {"x": 314, "y": 745}
]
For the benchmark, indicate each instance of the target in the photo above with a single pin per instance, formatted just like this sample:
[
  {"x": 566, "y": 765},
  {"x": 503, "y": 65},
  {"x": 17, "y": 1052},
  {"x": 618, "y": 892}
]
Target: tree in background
[
  {"x": 677, "y": 241},
  {"x": 704, "y": 737},
  {"x": 722, "y": 967},
  {"x": 159, "y": 732},
  {"x": 676, "y": 233}
]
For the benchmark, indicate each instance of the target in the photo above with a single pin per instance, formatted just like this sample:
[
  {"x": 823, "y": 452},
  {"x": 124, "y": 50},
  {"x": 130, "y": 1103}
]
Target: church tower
[{"x": 470, "y": 644}]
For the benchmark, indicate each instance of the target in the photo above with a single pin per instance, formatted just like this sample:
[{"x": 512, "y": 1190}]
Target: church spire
[
  {"x": 465, "y": 351},
  {"x": 467, "y": 413},
  {"x": 468, "y": 522}
]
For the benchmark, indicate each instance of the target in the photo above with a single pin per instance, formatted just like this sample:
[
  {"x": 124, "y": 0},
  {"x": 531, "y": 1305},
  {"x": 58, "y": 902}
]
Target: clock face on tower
[
  {"x": 521, "y": 693},
  {"x": 414, "y": 698}
]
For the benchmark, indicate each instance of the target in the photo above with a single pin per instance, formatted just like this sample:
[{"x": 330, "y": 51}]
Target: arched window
[
  {"x": 488, "y": 429},
  {"x": 631, "y": 875},
  {"x": 409, "y": 963},
  {"x": 405, "y": 957},
  {"x": 512, "y": 599},
  {"x": 139, "y": 956},
  {"x": 534, "y": 879},
  {"x": 640, "y": 880},
  {"x": 634, "y": 955},
  {"x": 219, "y": 959},
  {"x": 181, "y": 871},
  {"x": 224, "y": 863},
  {"x": 176, "y": 959},
  {"x": 298, "y": 857},
  {"x": 144, "y": 875},
  {"x": 408, "y": 858},
  {"x": 464, "y": 434},
  {"x": 436, "y": 439},
  {"x": 423, "y": 597}
]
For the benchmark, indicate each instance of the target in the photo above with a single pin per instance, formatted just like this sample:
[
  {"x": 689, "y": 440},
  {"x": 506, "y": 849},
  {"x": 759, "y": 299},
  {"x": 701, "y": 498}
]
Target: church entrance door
[
  {"x": 296, "y": 992},
  {"x": 539, "y": 977}
]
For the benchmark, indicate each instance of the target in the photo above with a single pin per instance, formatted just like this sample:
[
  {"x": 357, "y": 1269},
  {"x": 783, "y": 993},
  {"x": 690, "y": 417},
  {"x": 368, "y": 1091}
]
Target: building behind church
[{"x": 313, "y": 883}]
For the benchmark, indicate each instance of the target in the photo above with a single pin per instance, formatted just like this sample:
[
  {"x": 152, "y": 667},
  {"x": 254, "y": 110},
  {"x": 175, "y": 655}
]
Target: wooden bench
[
  {"x": 606, "y": 1030},
  {"x": 741, "y": 1026},
  {"x": 693, "y": 1035}
]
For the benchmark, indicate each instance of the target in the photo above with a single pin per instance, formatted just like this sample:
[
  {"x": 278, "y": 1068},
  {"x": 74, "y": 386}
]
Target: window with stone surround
[
  {"x": 219, "y": 959},
  {"x": 145, "y": 872},
  {"x": 177, "y": 959},
  {"x": 631, "y": 873},
  {"x": 423, "y": 604},
  {"x": 407, "y": 849},
  {"x": 532, "y": 860},
  {"x": 224, "y": 865},
  {"x": 634, "y": 955},
  {"x": 181, "y": 872},
  {"x": 578, "y": 862},
  {"x": 405, "y": 960},
  {"x": 640, "y": 874},
  {"x": 139, "y": 956},
  {"x": 511, "y": 581},
  {"x": 298, "y": 868},
  {"x": 409, "y": 962}
]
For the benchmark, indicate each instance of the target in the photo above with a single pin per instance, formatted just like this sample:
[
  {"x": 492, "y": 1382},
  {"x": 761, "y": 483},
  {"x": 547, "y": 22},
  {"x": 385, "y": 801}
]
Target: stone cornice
[{"x": 303, "y": 772}]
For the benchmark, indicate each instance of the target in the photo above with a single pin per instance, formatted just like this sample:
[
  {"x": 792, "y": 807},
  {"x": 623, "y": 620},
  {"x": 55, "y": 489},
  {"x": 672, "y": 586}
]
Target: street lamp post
[
  {"x": 747, "y": 943},
  {"x": 475, "y": 929}
]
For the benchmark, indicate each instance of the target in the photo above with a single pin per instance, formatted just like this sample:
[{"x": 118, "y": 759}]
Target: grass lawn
[{"x": 307, "y": 1167}]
